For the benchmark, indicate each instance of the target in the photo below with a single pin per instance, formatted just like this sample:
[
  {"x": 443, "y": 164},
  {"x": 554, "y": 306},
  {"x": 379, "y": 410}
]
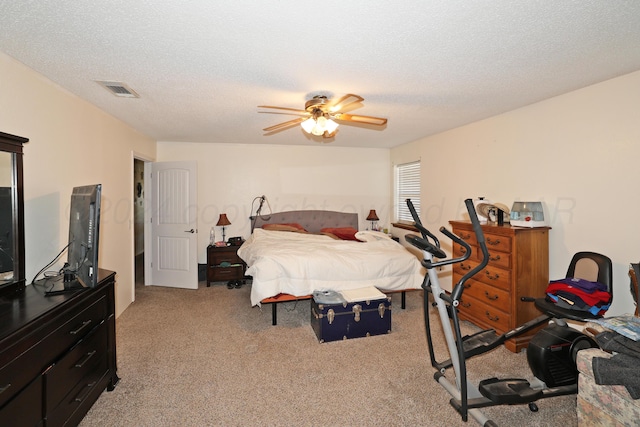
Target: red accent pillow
[
  {"x": 285, "y": 227},
  {"x": 343, "y": 233}
]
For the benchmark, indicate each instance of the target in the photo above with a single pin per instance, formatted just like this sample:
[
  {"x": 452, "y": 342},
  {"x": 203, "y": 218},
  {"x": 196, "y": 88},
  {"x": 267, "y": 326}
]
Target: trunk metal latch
[
  {"x": 381, "y": 309},
  {"x": 357, "y": 309},
  {"x": 331, "y": 315}
]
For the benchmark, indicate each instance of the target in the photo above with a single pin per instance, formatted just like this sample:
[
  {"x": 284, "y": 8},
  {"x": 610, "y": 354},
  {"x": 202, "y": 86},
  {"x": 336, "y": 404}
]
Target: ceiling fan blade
[
  {"x": 343, "y": 102},
  {"x": 369, "y": 120},
  {"x": 295, "y": 110},
  {"x": 307, "y": 114},
  {"x": 284, "y": 125}
]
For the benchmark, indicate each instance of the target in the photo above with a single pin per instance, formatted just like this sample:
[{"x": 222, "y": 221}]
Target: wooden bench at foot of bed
[{"x": 287, "y": 297}]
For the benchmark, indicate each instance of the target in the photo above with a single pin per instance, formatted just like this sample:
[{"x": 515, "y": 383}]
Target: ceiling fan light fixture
[
  {"x": 319, "y": 125},
  {"x": 316, "y": 118},
  {"x": 308, "y": 125},
  {"x": 331, "y": 126}
]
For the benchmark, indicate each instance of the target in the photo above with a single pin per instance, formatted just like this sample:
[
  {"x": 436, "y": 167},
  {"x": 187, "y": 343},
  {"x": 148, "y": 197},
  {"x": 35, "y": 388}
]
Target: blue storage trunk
[{"x": 334, "y": 322}]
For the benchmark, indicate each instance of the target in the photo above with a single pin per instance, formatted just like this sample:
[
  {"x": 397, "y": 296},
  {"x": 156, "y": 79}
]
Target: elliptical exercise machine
[{"x": 551, "y": 353}]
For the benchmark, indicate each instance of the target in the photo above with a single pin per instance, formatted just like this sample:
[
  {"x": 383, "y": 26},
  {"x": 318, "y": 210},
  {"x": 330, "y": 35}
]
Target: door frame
[{"x": 146, "y": 159}]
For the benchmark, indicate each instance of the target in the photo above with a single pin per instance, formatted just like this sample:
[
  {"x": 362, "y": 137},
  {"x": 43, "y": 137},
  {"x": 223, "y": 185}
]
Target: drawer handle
[
  {"x": 494, "y": 258},
  {"x": 80, "y": 397},
  {"x": 492, "y": 242},
  {"x": 490, "y": 277},
  {"x": 85, "y": 359},
  {"x": 493, "y": 319},
  {"x": 489, "y": 297},
  {"x": 465, "y": 236},
  {"x": 463, "y": 266},
  {"x": 5, "y": 388},
  {"x": 84, "y": 325},
  {"x": 465, "y": 304}
]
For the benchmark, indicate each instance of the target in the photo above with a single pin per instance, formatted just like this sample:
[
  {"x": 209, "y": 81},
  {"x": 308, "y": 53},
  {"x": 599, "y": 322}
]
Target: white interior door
[{"x": 172, "y": 225}]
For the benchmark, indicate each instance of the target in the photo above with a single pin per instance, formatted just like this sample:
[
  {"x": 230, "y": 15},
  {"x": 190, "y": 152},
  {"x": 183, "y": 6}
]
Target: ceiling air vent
[{"x": 119, "y": 89}]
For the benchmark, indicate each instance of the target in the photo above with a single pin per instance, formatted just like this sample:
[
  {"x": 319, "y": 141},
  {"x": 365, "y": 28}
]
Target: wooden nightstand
[{"x": 224, "y": 264}]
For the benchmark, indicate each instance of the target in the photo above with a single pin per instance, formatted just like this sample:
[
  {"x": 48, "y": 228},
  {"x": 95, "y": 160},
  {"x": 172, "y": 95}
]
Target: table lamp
[
  {"x": 223, "y": 221},
  {"x": 373, "y": 217}
]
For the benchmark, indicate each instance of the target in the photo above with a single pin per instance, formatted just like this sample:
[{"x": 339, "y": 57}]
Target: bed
[{"x": 288, "y": 264}]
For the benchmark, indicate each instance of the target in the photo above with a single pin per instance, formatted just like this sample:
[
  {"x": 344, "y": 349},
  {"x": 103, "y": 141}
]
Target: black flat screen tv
[{"x": 84, "y": 231}]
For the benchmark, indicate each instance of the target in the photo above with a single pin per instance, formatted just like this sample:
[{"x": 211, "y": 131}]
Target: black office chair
[{"x": 589, "y": 266}]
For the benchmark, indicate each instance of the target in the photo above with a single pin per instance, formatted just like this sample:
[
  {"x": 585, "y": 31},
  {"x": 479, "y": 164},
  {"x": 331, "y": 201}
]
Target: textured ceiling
[{"x": 201, "y": 67}]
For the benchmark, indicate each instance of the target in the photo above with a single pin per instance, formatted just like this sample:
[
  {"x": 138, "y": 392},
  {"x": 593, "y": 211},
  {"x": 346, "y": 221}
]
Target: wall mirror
[{"x": 12, "y": 271}]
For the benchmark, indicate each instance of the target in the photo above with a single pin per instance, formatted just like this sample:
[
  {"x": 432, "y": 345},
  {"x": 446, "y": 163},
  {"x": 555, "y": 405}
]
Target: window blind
[{"x": 407, "y": 187}]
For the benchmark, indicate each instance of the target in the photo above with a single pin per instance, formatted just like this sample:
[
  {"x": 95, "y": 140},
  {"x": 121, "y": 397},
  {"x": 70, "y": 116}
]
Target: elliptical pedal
[
  {"x": 481, "y": 342},
  {"x": 476, "y": 344},
  {"x": 509, "y": 391}
]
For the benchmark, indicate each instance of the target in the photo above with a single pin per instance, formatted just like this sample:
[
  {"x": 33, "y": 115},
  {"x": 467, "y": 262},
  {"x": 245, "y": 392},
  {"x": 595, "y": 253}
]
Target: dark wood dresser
[
  {"x": 518, "y": 267},
  {"x": 57, "y": 353}
]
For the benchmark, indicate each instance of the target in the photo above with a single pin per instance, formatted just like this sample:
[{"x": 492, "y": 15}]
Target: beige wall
[
  {"x": 230, "y": 176},
  {"x": 71, "y": 143},
  {"x": 577, "y": 152}
]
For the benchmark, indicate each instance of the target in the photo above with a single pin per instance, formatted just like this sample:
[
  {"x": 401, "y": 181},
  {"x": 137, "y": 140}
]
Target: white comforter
[{"x": 299, "y": 263}]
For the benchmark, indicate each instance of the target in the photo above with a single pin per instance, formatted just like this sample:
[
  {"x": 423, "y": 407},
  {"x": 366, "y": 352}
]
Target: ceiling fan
[{"x": 321, "y": 113}]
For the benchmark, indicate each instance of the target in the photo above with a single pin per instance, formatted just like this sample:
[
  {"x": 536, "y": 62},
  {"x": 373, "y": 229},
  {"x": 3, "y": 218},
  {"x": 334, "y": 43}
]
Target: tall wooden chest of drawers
[{"x": 518, "y": 267}]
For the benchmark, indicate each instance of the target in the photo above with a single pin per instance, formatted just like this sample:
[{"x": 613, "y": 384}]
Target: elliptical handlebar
[
  {"x": 465, "y": 255},
  {"x": 458, "y": 288},
  {"x": 424, "y": 244},
  {"x": 426, "y": 234}
]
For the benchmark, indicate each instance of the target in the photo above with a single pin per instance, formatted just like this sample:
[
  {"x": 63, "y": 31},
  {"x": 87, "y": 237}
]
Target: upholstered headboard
[{"x": 312, "y": 220}]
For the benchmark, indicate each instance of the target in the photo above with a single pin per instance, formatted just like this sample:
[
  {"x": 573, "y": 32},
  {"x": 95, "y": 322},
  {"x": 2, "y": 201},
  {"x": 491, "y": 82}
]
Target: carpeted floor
[{"x": 206, "y": 358}]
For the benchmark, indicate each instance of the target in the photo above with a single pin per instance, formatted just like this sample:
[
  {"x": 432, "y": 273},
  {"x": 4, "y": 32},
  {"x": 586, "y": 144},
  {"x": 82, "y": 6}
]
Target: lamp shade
[
  {"x": 223, "y": 220},
  {"x": 308, "y": 125},
  {"x": 372, "y": 216}
]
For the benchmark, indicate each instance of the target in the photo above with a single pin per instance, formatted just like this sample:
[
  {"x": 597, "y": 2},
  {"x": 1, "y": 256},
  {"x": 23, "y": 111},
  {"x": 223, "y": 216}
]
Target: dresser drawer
[
  {"x": 17, "y": 374},
  {"x": 78, "y": 326},
  {"x": 219, "y": 257},
  {"x": 499, "y": 259},
  {"x": 78, "y": 401},
  {"x": 496, "y": 258},
  {"x": 220, "y": 274},
  {"x": 495, "y": 297},
  {"x": 483, "y": 314},
  {"x": 25, "y": 409},
  {"x": 496, "y": 242},
  {"x": 494, "y": 276},
  {"x": 490, "y": 275},
  {"x": 80, "y": 361}
]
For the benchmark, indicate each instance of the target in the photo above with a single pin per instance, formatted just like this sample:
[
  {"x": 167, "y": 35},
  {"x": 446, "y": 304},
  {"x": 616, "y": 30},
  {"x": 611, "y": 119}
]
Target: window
[{"x": 407, "y": 187}]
